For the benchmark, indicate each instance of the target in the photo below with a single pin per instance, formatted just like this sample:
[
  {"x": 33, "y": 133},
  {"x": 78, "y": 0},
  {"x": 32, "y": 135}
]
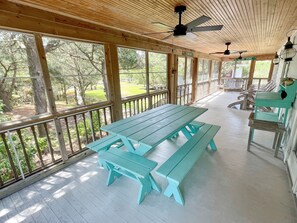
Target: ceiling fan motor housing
[
  {"x": 180, "y": 30},
  {"x": 180, "y": 8}
]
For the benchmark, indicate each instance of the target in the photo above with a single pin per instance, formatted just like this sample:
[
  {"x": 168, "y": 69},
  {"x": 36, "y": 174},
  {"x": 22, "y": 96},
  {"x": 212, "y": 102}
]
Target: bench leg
[
  {"x": 112, "y": 174},
  {"x": 145, "y": 188},
  {"x": 193, "y": 129},
  {"x": 213, "y": 145},
  {"x": 155, "y": 186},
  {"x": 173, "y": 189}
]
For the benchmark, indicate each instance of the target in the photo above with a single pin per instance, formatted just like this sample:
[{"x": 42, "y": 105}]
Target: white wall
[{"x": 290, "y": 140}]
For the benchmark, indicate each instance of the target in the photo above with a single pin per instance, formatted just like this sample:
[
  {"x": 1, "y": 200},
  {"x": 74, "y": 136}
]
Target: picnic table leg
[
  {"x": 142, "y": 149},
  {"x": 130, "y": 147},
  {"x": 173, "y": 189},
  {"x": 213, "y": 145},
  {"x": 186, "y": 133}
]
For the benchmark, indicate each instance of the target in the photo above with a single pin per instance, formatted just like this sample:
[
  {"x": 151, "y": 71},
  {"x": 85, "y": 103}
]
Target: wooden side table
[{"x": 277, "y": 127}]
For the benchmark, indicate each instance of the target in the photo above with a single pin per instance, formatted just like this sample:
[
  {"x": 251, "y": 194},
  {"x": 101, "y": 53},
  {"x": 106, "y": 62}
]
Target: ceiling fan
[
  {"x": 182, "y": 30},
  {"x": 240, "y": 56},
  {"x": 228, "y": 52}
]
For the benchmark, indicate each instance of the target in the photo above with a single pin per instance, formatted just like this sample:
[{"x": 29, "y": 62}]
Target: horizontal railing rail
[
  {"x": 184, "y": 94},
  {"x": 139, "y": 103}
]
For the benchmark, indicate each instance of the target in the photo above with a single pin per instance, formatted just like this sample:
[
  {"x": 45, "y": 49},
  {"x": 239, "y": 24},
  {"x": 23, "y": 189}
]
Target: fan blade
[
  {"x": 237, "y": 51},
  {"x": 162, "y": 24},
  {"x": 167, "y": 37},
  {"x": 218, "y": 53},
  {"x": 198, "y": 21},
  {"x": 205, "y": 28},
  {"x": 156, "y": 33}
]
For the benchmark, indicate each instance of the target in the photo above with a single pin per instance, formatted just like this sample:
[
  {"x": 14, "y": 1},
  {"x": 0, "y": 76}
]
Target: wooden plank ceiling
[{"x": 258, "y": 26}]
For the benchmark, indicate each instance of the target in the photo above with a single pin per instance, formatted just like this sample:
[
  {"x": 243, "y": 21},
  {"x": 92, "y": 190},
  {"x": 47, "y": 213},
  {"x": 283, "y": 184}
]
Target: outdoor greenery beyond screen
[
  {"x": 262, "y": 69},
  {"x": 203, "y": 70},
  {"x": 133, "y": 73},
  {"x": 77, "y": 71}
]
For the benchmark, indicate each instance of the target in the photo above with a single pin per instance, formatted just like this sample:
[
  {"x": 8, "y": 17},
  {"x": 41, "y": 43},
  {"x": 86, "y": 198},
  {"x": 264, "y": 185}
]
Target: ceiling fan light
[{"x": 288, "y": 54}]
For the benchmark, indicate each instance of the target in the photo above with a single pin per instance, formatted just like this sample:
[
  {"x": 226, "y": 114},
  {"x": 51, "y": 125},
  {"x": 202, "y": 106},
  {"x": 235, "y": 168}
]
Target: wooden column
[
  {"x": 113, "y": 77},
  {"x": 147, "y": 70},
  {"x": 49, "y": 93},
  {"x": 220, "y": 72},
  {"x": 209, "y": 76},
  {"x": 172, "y": 61},
  {"x": 251, "y": 74},
  {"x": 194, "y": 79},
  {"x": 271, "y": 70}
]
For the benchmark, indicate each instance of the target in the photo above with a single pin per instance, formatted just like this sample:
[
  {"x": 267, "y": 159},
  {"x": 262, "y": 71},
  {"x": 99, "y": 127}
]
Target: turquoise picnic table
[{"x": 143, "y": 132}]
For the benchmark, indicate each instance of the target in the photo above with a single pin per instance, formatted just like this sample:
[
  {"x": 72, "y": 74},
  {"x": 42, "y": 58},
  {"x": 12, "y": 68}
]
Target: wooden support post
[
  {"x": 170, "y": 68},
  {"x": 271, "y": 70},
  {"x": 147, "y": 69},
  {"x": 113, "y": 77},
  {"x": 185, "y": 81},
  {"x": 220, "y": 72},
  {"x": 209, "y": 76},
  {"x": 251, "y": 74},
  {"x": 194, "y": 79},
  {"x": 49, "y": 93},
  {"x": 172, "y": 61}
]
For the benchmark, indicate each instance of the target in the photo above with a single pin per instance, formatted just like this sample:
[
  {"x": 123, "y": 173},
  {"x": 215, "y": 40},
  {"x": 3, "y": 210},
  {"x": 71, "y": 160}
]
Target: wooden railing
[
  {"x": 241, "y": 83},
  {"x": 32, "y": 145},
  {"x": 184, "y": 94},
  {"x": 136, "y": 104},
  {"x": 29, "y": 146},
  {"x": 202, "y": 89}
]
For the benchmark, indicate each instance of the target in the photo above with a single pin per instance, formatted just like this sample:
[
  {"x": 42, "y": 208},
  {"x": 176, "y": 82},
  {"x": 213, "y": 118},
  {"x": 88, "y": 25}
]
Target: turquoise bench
[
  {"x": 103, "y": 144},
  {"x": 133, "y": 166},
  {"x": 181, "y": 162}
]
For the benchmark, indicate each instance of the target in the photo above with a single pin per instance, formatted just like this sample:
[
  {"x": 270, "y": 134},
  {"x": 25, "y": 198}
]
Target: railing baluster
[
  {"x": 77, "y": 132},
  {"x": 68, "y": 134},
  {"x": 125, "y": 104},
  {"x": 99, "y": 122},
  {"x": 130, "y": 108},
  {"x": 37, "y": 145},
  {"x": 91, "y": 125},
  {"x": 104, "y": 113},
  {"x": 49, "y": 142},
  {"x": 9, "y": 157},
  {"x": 110, "y": 113},
  {"x": 85, "y": 127},
  {"x": 134, "y": 107},
  {"x": 24, "y": 150}
]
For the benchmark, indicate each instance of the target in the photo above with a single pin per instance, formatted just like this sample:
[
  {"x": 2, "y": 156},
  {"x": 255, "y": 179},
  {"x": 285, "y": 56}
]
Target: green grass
[
  {"x": 128, "y": 89},
  {"x": 97, "y": 94}
]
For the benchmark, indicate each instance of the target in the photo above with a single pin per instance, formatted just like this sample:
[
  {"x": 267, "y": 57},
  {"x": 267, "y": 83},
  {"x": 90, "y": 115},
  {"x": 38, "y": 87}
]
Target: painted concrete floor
[{"x": 229, "y": 185}]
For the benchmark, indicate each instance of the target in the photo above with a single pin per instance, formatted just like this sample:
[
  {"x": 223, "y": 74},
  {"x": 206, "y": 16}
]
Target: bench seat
[
  {"x": 133, "y": 166},
  {"x": 181, "y": 162},
  {"x": 103, "y": 144}
]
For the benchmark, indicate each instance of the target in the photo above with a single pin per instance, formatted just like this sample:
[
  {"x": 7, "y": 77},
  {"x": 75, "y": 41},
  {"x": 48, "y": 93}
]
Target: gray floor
[{"x": 230, "y": 185}]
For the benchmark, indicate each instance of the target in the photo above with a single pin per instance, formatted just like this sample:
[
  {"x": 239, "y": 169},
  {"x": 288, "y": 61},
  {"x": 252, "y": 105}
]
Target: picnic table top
[{"x": 154, "y": 126}]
